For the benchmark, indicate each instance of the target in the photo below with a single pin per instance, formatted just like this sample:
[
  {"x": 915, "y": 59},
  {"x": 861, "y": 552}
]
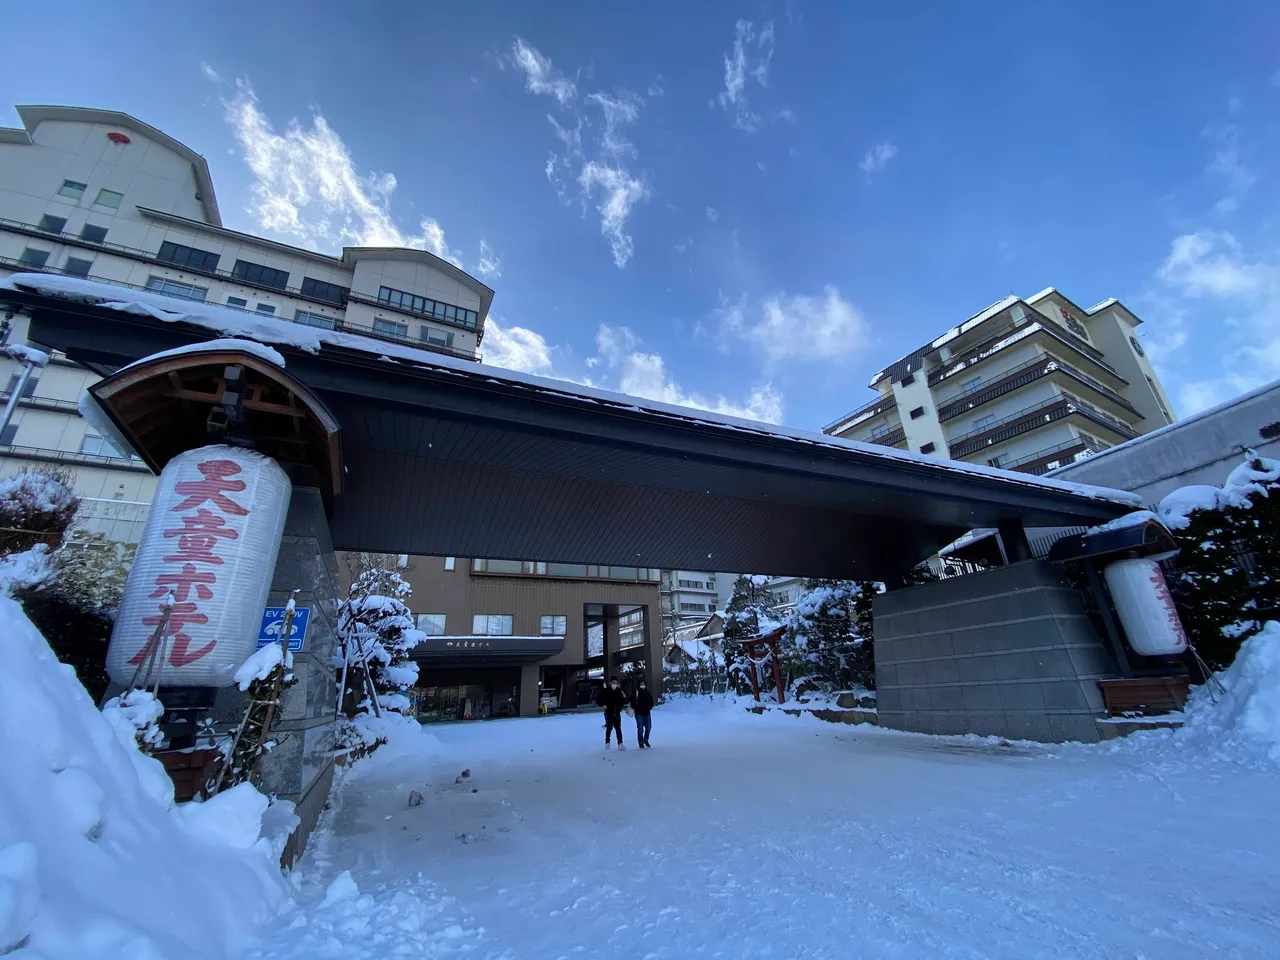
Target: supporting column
[
  {"x": 612, "y": 643},
  {"x": 1013, "y": 535},
  {"x": 652, "y": 654},
  {"x": 529, "y": 674}
]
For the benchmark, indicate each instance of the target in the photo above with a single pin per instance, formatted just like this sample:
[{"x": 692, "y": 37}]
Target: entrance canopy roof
[{"x": 447, "y": 457}]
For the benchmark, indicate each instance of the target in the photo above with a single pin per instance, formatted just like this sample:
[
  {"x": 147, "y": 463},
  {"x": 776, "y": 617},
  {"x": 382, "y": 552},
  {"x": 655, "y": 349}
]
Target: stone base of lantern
[{"x": 300, "y": 767}]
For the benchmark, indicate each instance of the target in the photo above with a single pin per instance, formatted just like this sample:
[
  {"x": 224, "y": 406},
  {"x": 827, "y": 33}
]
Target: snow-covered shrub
[
  {"x": 375, "y": 630},
  {"x": 1228, "y": 567},
  {"x": 36, "y": 506},
  {"x": 143, "y": 711},
  {"x": 825, "y": 629}
]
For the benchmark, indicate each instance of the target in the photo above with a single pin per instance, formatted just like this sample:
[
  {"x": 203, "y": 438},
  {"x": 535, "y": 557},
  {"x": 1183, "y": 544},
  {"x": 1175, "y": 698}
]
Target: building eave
[
  {"x": 285, "y": 248},
  {"x": 32, "y": 115},
  {"x": 350, "y": 256}
]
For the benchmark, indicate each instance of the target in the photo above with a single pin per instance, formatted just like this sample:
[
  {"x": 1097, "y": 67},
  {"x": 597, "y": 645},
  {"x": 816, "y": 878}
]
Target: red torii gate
[{"x": 768, "y": 643}]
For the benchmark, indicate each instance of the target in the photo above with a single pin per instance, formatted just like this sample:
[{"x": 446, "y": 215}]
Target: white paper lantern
[
  {"x": 1146, "y": 608},
  {"x": 211, "y": 538}
]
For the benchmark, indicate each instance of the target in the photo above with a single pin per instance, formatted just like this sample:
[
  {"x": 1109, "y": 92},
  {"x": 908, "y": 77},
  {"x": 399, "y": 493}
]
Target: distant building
[
  {"x": 505, "y": 636},
  {"x": 101, "y": 195},
  {"x": 688, "y": 596},
  {"x": 1027, "y": 385}
]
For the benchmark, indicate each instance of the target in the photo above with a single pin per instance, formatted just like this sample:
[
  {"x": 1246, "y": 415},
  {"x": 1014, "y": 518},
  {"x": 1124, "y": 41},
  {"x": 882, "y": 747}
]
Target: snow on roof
[
  {"x": 1109, "y": 302},
  {"x": 25, "y": 354},
  {"x": 267, "y": 329},
  {"x": 1042, "y": 294},
  {"x": 260, "y": 350}
]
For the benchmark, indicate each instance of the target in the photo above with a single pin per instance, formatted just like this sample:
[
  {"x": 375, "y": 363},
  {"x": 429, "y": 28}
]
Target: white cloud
[
  {"x": 539, "y": 75},
  {"x": 643, "y": 374},
  {"x": 516, "y": 348},
  {"x": 592, "y": 173},
  {"x": 489, "y": 264},
  {"x": 1227, "y": 169},
  {"x": 826, "y": 327},
  {"x": 1236, "y": 299},
  {"x": 875, "y": 159},
  {"x": 210, "y": 73},
  {"x": 712, "y": 215},
  {"x": 750, "y": 57}
]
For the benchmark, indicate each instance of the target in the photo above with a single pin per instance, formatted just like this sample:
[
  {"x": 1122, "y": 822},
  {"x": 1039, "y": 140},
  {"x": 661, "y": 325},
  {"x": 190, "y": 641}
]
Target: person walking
[
  {"x": 614, "y": 702},
  {"x": 642, "y": 704}
]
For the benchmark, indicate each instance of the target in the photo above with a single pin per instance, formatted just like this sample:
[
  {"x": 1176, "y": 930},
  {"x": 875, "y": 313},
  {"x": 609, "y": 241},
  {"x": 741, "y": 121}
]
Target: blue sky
[{"x": 746, "y": 206}]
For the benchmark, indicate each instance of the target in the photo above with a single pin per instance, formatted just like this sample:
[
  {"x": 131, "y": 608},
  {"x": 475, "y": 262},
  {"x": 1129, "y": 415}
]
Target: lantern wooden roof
[{"x": 170, "y": 403}]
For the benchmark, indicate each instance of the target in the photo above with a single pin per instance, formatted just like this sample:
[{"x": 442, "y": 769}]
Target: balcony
[
  {"x": 1010, "y": 336},
  {"x": 1033, "y": 418},
  {"x": 564, "y": 571},
  {"x": 1059, "y": 455},
  {"x": 43, "y": 403},
  {"x": 864, "y": 413},
  {"x": 890, "y": 439},
  {"x": 1024, "y": 374},
  {"x": 341, "y": 326},
  {"x": 50, "y": 455}
]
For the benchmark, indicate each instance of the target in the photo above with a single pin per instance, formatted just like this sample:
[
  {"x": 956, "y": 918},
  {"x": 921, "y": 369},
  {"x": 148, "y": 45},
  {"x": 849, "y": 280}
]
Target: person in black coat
[
  {"x": 642, "y": 704},
  {"x": 614, "y": 702}
]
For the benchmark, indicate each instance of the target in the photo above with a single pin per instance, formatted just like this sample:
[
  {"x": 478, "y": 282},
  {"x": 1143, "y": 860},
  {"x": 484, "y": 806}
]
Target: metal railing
[
  {"x": 51, "y": 455},
  {"x": 1015, "y": 334},
  {"x": 1020, "y": 376},
  {"x": 43, "y": 403},
  {"x": 865, "y": 412},
  {"x": 339, "y": 325},
  {"x": 890, "y": 439},
  {"x": 1032, "y": 418},
  {"x": 1042, "y": 461}
]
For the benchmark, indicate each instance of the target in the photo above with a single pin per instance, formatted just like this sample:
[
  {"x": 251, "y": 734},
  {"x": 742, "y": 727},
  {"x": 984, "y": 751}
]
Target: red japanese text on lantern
[{"x": 191, "y": 573}]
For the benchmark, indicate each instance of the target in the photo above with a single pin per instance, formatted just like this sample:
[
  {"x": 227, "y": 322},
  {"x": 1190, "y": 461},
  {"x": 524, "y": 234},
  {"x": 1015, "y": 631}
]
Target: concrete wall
[
  {"x": 1008, "y": 652},
  {"x": 1201, "y": 449}
]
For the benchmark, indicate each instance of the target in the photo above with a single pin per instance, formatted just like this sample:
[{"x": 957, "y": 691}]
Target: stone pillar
[
  {"x": 529, "y": 675},
  {"x": 300, "y": 767},
  {"x": 612, "y": 645},
  {"x": 652, "y": 654},
  {"x": 1013, "y": 535}
]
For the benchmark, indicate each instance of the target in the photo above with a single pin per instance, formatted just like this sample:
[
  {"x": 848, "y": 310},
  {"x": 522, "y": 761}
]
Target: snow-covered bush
[
  {"x": 1228, "y": 568},
  {"x": 826, "y": 631},
  {"x": 36, "y": 506},
  {"x": 141, "y": 709}
]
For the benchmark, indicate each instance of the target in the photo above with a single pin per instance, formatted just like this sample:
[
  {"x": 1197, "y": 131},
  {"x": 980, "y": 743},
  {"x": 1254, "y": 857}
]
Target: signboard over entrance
[{"x": 273, "y": 626}]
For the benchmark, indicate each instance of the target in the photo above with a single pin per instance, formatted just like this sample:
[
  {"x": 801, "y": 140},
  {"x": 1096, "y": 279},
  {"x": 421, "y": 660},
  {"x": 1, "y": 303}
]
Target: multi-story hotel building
[
  {"x": 1025, "y": 385},
  {"x": 101, "y": 195}
]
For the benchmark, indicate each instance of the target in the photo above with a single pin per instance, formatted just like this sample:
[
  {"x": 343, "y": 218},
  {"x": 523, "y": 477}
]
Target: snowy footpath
[{"x": 742, "y": 836}]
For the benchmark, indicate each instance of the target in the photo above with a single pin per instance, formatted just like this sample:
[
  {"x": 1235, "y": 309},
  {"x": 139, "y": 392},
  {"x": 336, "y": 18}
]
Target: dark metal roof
[{"x": 443, "y": 460}]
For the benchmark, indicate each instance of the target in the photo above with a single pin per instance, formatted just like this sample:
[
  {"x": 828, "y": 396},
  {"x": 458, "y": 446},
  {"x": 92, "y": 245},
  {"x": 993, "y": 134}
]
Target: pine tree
[
  {"x": 820, "y": 629},
  {"x": 375, "y": 627}
]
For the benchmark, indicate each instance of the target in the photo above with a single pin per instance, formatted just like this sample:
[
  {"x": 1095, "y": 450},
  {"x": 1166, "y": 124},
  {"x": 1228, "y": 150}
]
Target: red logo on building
[{"x": 118, "y": 138}]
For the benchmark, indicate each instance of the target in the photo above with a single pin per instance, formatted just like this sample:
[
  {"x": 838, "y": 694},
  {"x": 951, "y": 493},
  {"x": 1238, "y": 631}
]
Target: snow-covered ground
[{"x": 780, "y": 837}]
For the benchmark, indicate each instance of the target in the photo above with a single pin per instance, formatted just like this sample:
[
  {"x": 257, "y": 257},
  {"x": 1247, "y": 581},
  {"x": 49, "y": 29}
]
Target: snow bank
[
  {"x": 95, "y": 861},
  {"x": 1247, "y": 717}
]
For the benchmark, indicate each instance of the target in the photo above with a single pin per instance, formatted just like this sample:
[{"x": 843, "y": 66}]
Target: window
[
  {"x": 693, "y": 608},
  {"x": 390, "y": 328},
  {"x": 982, "y": 423},
  {"x": 971, "y": 384},
  {"x": 691, "y": 584},
  {"x": 239, "y": 302},
  {"x": 441, "y": 338},
  {"x": 427, "y": 307},
  {"x": 999, "y": 460},
  {"x": 77, "y": 267},
  {"x": 450, "y": 563},
  {"x": 98, "y": 446},
  {"x": 908, "y": 380},
  {"x": 491, "y": 625},
  {"x": 31, "y": 257},
  {"x": 109, "y": 198},
  {"x": 72, "y": 189},
  {"x": 432, "y": 624},
  {"x": 324, "y": 291},
  {"x": 309, "y": 319},
  {"x": 257, "y": 273},
  {"x": 188, "y": 256},
  {"x": 28, "y": 391},
  {"x": 175, "y": 288},
  {"x": 929, "y": 447},
  {"x": 917, "y": 413},
  {"x": 266, "y": 308},
  {"x": 8, "y": 434},
  {"x": 93, "y": 233},
  {"x": 51, "y": 224},
  {"x": 554, "y": 626}
]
